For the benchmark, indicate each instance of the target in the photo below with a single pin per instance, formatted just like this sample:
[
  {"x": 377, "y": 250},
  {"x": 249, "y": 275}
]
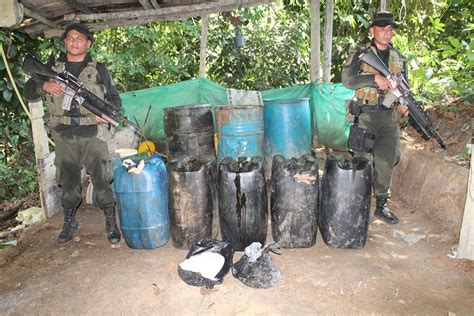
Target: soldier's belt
[{"x": 357, "y": 109}]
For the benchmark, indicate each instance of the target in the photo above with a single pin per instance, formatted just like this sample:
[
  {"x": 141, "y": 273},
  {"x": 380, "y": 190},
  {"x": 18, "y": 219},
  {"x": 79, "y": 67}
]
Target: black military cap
[
  {"x": 383, "y": 19},
  {"x": 81, "y": 28}
]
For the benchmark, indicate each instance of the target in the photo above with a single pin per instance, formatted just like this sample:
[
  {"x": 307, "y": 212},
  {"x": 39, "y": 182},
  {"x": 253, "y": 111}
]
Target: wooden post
[
  {"x": 466, "y": 238},
  {"x": 49, "y": 190},
  {"x": 327, "y": 48},
  {"x": 315, "y": 40},
  {"x": 203, "y": 48}
]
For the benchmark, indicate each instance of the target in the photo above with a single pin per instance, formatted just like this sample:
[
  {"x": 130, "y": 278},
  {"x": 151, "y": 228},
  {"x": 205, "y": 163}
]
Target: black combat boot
[
  {"x": 113, "y": 234},
  {"x": 383, "y": 212},
  {"x": 70, "y": 225}
]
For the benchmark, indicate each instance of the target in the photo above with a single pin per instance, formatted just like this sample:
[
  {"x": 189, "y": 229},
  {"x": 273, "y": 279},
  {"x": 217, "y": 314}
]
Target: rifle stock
[
  {"x": 33, "y": 66},
  {"x": 370, "y": 58},
  {"x": 419, "y": 117}
]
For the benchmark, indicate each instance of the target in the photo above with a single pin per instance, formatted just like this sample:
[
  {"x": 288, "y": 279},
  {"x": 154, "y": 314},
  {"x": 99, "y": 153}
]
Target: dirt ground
[
  {"x": 387, "y": 276},
  {"x": 89, "y": 276}
]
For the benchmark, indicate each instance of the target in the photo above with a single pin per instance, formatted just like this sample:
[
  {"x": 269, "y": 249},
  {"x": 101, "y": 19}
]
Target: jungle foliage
[{"x": 437, "y": 38}]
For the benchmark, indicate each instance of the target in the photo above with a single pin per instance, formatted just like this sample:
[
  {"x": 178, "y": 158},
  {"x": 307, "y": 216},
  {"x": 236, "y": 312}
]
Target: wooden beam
[
  {"x": 155, "y": 4},
  {"x": 203, "y": 46},
  {"x": 165, "y": 15},
  {"x": 211, "y": 7},
  {"x": 49, "y": 191},
  {"x": 466, "y": 238},
  {"x": 146, "y": 4},
  {"x": 315, "y": 40},
  {"x": 327, "y": 48},
  {"x": 39, "y": 18},
  {"x": 77, "y": 6}
]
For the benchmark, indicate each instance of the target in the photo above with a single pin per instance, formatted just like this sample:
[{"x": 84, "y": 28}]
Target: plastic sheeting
[
  {"x": 196, "y": 91},
  {"x": 327, "y": 102}
]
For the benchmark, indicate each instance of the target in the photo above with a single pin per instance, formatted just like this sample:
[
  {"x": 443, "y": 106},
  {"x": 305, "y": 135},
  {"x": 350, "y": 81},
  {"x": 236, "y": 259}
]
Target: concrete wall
[{"x": 427, "y": 183}]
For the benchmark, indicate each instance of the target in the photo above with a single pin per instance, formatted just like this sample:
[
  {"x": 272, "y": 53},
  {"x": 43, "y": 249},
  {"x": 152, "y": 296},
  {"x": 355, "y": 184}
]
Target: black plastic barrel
[
  {"x": 192, "y": 198},
  {"x": 345, "y": 202},
  {"x": 243, "y": 202},
  {"x": 189, "y": 130},
  {"x": 294, "y": 201}
]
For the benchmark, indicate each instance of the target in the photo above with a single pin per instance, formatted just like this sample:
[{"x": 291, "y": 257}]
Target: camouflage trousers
[
  {"x": 71, "y": 156},
  {"x": 386, "y": 153}
]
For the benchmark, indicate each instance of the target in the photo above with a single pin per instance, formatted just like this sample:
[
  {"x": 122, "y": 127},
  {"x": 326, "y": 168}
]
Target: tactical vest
[
  {"x": 369, "y": 95},
  {"x": 89, "y": 76}
]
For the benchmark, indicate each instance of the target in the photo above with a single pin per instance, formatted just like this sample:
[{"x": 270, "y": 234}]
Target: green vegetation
[
  {"x": 17, "y": 163},
  {"x": 437, "y": 38}
]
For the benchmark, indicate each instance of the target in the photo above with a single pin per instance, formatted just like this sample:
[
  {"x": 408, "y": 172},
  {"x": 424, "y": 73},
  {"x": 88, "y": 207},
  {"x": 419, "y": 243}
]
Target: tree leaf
[
  {"x": 454, "y": 42},
  {"x": 7, "y": 95}
]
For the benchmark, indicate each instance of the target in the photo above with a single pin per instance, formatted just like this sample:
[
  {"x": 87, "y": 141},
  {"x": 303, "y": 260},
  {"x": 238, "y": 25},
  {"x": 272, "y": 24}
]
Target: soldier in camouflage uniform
[
  {"x": 383, "y": 122},
  {"x": 76, "y": 130}
]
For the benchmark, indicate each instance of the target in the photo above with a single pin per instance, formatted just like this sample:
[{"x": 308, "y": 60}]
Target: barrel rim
[
  {"x": 187, "y": 106},
  {"x": 286, "y": 101},
  {"x": 238, "y": 107}
]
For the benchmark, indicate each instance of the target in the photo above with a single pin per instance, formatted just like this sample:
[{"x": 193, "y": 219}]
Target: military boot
[
  {"x": 383, "y": 212},
  {"x": 113, "y": 233},
  {"x": 70, "y": 225}
]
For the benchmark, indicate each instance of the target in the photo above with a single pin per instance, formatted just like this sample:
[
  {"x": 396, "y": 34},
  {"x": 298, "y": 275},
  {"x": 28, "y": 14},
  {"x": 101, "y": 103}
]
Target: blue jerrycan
[{"x": 142, "y": 203}]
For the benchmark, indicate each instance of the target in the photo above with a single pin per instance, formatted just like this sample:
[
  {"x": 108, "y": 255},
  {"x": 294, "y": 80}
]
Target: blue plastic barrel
[
  {"x": 142, "y": 203},
  {"x": 287, "y": 129},
  {"x": 240, "y": 131}
]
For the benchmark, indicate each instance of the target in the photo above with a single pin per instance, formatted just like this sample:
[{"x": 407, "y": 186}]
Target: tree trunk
[
  {"x": 315, "y": 40},
  {"x": 327, "y": 49}
]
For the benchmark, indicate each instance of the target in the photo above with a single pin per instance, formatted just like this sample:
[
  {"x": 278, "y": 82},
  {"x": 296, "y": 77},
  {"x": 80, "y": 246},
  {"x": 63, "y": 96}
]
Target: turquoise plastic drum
[{"x": 287, "y": 129}]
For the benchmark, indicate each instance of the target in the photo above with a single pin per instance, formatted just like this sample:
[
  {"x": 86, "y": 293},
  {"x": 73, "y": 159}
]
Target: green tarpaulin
[{"x": 327, "y": 103}]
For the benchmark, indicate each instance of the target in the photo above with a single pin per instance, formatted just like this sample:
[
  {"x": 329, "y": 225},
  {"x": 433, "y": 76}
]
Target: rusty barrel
[{"x": 240, "y": 131}]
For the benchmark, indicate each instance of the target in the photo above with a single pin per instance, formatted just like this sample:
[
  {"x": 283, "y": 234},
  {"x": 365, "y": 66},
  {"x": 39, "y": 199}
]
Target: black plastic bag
[
  {"x": 207, "y": 262},
  {"x": 256, "y": 269}
]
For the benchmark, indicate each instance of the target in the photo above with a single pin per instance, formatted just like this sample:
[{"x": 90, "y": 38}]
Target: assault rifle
[
  {"x": 402, "y": 92},
  {"x": 74, "y": 90}
]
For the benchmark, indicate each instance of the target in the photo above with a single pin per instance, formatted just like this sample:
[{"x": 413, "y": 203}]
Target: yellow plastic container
[
  {"x": 148, "y": 147},
  {"x": 216, "y": 141}
]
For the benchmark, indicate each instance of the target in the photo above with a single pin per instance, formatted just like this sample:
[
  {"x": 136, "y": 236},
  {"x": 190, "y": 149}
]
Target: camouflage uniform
[
  {"x": 383, "y": 122},
  {"x": 75, "y": 134},
  {"x": 78, "y": 141}
]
